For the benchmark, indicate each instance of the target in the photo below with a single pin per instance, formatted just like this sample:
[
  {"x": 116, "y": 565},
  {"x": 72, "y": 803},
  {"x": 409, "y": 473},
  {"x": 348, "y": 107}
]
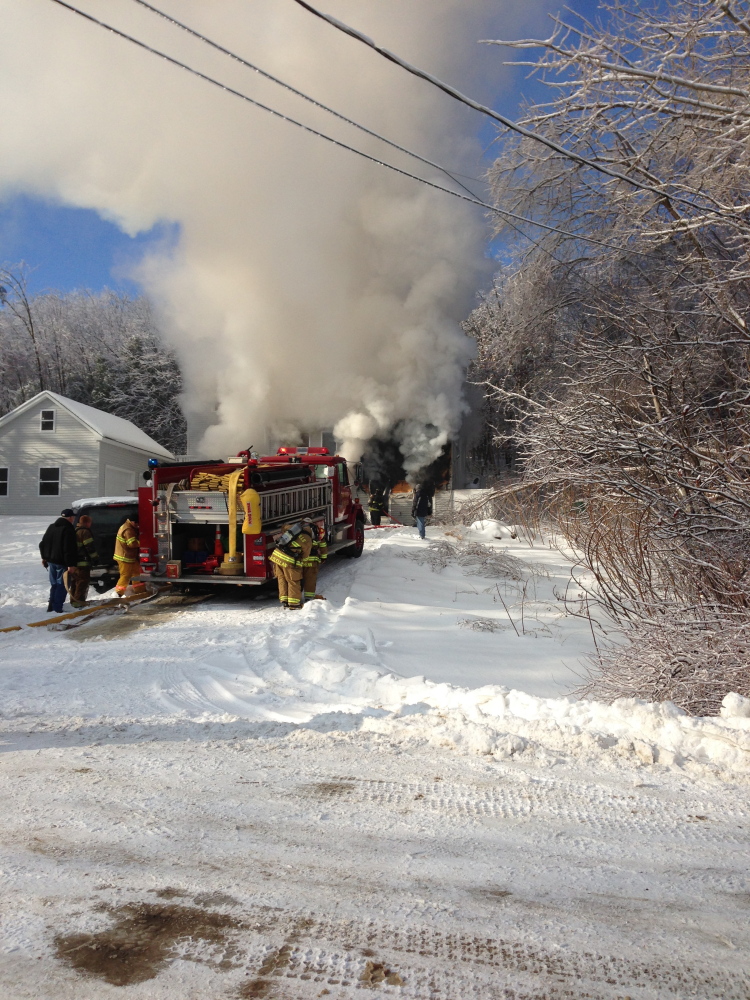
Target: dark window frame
[
  {"x": 49, "y": 481},
  {"x": 4, "y": 480}
]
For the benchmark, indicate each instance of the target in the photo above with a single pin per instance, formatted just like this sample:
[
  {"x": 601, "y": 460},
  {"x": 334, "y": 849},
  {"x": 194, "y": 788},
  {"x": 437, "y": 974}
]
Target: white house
[{"x": 54, "y": 450}]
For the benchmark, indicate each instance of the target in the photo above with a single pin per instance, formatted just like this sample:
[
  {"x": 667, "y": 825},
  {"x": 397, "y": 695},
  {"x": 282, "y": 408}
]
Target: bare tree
[
  {"x": 14, "y": 297},
  {"x": 101, "y": 349},
  {"x": 624, "y": 372}
]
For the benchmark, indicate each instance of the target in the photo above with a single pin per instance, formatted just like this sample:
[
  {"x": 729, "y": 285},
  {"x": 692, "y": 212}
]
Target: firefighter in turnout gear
[
  {"x": 311, "y": 563},
  {"x": 292, "y": 548},
  {"x": 377, "y": 506},
  {"x": 127, "y": 554},
  {"x": 87, "y": 555}
]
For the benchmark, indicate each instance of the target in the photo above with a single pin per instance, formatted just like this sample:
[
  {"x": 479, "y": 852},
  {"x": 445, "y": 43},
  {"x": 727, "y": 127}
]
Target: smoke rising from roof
[{"x": 308, "y": 288}]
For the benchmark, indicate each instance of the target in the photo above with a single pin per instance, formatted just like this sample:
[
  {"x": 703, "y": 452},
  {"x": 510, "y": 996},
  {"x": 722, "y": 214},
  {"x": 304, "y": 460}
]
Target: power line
[
  {"x": 453, "y": 175},
  {"x": 244, "y": 62},
  {"x": 337, "y": 142},
  {"x": 507, "y": 122},
  {"x": 298, "y": 93}
]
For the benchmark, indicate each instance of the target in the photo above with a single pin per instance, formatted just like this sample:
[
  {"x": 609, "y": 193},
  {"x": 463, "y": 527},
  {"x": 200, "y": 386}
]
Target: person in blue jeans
[
  {"x": 59, "y": 551},
  {"x": 421, "y": 507}
]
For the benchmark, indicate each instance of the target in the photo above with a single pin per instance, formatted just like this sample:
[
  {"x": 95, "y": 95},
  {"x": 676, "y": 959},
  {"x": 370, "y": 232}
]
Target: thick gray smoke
[{"x": 309, "y": 288}]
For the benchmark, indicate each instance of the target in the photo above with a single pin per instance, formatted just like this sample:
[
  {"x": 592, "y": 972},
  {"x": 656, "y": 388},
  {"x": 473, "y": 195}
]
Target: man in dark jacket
[
  {"x": 421, "y": 507},
  {"x": 59, "y": 551}
]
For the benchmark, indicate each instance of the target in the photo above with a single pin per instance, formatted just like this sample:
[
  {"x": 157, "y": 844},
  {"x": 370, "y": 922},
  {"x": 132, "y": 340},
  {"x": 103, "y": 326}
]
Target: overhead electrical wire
[
  {"x": 453, "y": 175},
  {"x": 472, "y": 200},
  {"x": 298, "y": 93},
  {"x": 507, "y": 122}
]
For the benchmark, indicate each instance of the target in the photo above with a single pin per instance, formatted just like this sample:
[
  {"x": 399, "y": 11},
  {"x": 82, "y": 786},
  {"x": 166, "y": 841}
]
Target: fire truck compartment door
[{"x": 203, "y": 507}]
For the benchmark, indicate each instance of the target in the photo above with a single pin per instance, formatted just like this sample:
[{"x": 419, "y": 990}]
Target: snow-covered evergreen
[{"x": 101, "y": 349}]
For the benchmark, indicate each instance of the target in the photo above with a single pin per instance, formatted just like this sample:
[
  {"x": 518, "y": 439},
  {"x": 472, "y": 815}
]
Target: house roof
[{"x": 105, "y": 425}]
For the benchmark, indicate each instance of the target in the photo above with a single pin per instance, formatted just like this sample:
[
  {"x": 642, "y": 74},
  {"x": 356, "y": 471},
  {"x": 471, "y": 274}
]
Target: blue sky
[{"x": 67, "y": 248}]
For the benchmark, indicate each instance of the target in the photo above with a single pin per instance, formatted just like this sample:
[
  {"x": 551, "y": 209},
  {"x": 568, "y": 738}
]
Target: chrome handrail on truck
[
  {"x": 309, "y": 498},
  {"x": 210, "y": 506}
]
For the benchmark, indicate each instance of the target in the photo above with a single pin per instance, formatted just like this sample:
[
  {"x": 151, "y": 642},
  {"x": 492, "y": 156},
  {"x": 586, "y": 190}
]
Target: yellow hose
[
  {"x": 232, "y": 504},
  {"x": 232, "y": 565}
]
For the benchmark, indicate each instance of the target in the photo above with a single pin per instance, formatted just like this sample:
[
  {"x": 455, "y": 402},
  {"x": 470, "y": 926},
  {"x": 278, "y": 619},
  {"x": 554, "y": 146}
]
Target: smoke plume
[{"x": 308, "y": 289}]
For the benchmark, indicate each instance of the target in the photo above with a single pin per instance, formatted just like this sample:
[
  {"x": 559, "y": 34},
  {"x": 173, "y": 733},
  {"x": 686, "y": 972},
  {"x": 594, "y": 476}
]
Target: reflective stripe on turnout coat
[{"x": 126, "y": 543}]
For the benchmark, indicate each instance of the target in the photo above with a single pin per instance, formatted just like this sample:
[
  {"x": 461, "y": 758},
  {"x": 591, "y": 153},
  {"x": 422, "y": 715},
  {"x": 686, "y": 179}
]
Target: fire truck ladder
[{"x": 294, "y": 502}]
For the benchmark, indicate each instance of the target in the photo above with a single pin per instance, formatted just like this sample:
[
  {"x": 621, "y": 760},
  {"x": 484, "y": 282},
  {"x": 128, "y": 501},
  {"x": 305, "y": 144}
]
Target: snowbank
[
  {"x": 418, "y": 643},
  {"x": 507, "y": 723}
]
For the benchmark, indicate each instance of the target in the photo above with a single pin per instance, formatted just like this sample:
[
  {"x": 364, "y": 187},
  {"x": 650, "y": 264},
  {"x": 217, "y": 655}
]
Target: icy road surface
[{"x": 232, "y": 801}]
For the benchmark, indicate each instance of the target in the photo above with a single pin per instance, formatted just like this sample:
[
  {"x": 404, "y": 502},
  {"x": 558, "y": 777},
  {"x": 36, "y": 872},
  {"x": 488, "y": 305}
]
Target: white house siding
[
  {"x": 116, "y": 457},
  {"x": 24, "y": 447}
]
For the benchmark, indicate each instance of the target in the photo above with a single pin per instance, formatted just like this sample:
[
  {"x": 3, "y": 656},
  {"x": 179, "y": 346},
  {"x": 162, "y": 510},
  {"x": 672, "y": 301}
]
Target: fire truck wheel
[{"x": 355, "y": 551}]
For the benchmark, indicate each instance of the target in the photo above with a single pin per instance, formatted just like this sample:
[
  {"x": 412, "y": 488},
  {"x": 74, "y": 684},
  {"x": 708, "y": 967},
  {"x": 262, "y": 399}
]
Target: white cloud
[{"x": 308, "y": 288}]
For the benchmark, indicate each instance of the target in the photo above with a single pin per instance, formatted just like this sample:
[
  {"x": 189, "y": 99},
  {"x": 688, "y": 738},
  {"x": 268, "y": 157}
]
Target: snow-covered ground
[{"x": 387, "y": 790}]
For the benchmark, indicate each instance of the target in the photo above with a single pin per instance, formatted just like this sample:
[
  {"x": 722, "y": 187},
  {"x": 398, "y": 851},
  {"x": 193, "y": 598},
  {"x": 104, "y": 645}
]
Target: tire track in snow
[
  {"x": 588, "y": 808},
  {"x": 197, "y": 685},
  {"x": 342, "y": 899},
  {"x": 442, "y": 965}
]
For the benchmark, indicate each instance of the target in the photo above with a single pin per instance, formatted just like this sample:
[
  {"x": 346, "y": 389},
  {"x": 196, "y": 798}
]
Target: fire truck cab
[{"x": 216, "y": 522}]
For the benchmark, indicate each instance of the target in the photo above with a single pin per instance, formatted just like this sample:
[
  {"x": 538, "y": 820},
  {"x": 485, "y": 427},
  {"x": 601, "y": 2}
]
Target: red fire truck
[{"x": 216, "y": 522}]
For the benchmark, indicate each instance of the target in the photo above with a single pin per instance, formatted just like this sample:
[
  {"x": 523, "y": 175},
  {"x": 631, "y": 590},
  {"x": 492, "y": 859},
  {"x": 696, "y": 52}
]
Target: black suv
[{"x": 107, "y": 515}]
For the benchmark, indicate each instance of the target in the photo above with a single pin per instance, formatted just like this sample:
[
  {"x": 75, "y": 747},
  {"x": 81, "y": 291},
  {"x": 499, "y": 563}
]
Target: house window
[
  {"x": 48, "y": 420},
  {"x": 3, "y": 482},
  {"x": 49, "y": 482}
]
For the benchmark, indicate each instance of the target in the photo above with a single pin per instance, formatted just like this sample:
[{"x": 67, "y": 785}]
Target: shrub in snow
[
  {"x": 616, "y": 379},
  {"x": 478, "y": 559},
  {"x": 483, "y": 624},
  {"x": 705, "y": 671}
]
